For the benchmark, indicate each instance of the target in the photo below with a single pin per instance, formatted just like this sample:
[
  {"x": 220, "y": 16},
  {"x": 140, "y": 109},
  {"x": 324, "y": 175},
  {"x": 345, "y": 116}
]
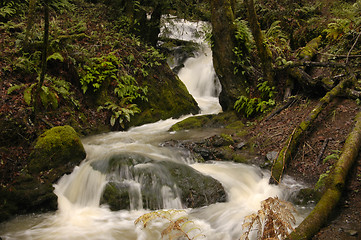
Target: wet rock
[
  {"x": 351, "y": 232},
  {"x": 271, "y": 156},
  {"x": 138, "y": 177}
]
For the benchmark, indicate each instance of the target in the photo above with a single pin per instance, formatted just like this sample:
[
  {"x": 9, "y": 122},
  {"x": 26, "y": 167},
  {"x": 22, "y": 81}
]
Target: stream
[{"x": 81, "y": 215}]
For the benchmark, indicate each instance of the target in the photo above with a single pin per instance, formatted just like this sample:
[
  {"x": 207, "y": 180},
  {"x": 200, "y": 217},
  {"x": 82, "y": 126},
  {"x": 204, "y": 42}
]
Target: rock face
[
  {"x": 56, "y": 152},
  {"x": 57, "y": 147},
  {"x": 140, "y": 181}
]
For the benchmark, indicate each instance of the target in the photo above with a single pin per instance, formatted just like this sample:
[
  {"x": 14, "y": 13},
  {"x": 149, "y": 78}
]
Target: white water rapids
[{"x": 81, "y": 217}]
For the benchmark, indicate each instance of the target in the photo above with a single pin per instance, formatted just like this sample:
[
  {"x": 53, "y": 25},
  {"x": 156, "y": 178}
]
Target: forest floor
[{"x": 333, "y": 127}]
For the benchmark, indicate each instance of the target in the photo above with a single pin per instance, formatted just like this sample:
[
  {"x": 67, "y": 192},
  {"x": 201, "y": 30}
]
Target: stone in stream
[{"x": 152, "y": 177}]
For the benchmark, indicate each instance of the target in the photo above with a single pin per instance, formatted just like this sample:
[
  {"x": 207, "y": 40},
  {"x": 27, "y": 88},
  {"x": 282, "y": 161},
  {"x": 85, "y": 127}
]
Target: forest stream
[{"x": 82, "y": 215}]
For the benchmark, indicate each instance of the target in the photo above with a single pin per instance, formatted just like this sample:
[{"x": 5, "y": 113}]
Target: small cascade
[
  {"x": 197, "y": 72},
  {"x": 135, "y": 163}
]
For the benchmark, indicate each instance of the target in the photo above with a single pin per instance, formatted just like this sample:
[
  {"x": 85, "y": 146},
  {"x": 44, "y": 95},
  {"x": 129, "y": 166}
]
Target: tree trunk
[
  {"x": 224, "y": 41},
  {"x": 318, "y": 217},
  {"x": 43, "y": 59},
  {"x": 263, "y": 51},
  {"x": 29, "y": 23},
  {"x": 292, "y": 142}
]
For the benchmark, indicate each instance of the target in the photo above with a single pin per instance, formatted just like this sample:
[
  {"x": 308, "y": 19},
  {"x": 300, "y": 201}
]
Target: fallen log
[
  {"x": 293, "y": 140},
  {"x": 320, "y": 214}
]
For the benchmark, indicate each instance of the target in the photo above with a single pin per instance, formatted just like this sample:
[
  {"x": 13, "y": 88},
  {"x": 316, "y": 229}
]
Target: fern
[
  {"x": 252, "y": 106},
  {"x": 273, "y": 221},
  {"x": 178, "y": 226},
  {"x": 120, "y": 113}
]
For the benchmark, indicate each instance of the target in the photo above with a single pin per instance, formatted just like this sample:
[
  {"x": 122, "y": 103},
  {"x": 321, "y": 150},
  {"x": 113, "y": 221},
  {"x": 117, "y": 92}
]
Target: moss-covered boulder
[
  {"x": 57, "y": 147},
  {"x": 55, "y": 153},
  {"x": 140, "y": 181},
  {"x": 167, "y": 97}
]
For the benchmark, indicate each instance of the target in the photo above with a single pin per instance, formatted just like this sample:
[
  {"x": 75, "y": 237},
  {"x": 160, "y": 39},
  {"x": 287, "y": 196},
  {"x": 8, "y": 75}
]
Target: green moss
[
  {"x": 167, "y": 97},
  {"x": 237, "y": 125},
  {"x": 56, "y": 147},
  {"x": 228, "y": 139},
  {"x": 191, "y": 123},
  {"x": 310, "y": 49}
]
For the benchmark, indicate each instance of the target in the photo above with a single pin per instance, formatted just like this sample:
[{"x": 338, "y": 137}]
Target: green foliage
[
  {"x": 128, "y": 89},
  {"x": 245, "y": 43},
  {"x": 63, "y": 89},
  {"x": 322, "y": 180},
  {"x": 100, "y": 69},
  {"x": 243, "y": 34},
  {"x": 277, "y": 41},
  {"x": 56, "y": 56},
  {"x": 179, "y": 225},
  {"x": 11, "y": 8},
  {"x": 252, "y": 106},
  {"x": 120, "y": 113},
  {"x": 337, "y": 29},
  {"x": 335, "y": 155},
  {"x": 48, "y": 98},
  {"x": 14, "y": 88},
  {"x": 273, "y": 221}
]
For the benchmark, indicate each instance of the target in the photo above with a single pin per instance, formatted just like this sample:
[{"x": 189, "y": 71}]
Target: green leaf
[
  {"x": 56, "y": 56},
  {"x": 14, "y": 88}
]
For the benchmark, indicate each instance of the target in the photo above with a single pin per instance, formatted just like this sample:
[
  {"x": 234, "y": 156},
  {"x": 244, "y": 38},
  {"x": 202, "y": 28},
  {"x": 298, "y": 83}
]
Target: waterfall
[{"x": 81, "y": 215}]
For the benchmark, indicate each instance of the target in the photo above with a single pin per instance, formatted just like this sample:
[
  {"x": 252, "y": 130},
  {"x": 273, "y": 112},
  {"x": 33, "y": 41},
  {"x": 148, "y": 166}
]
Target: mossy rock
[
  {"x": 206, "y": 121},
  {"x": 167, "y": 96},
  {"x": 57, "y": 147},
  {"x": 26, "y": 195},
  {"x": 193, "y": 188}
]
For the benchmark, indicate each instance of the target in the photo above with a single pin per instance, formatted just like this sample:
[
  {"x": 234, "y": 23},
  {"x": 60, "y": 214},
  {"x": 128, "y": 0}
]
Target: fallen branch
[
  {"x": 324, "y": 146},
  {"x": 318, "y": 217},
  {"x": 290, "y": 101},
  {"x": 292, "y": 142}
]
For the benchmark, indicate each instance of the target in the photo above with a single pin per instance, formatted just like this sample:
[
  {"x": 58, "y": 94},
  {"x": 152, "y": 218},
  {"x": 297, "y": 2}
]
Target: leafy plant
[
  {"x": 14, "y": 88},
  {"x": 334, "y": 155},
  {"x": 48, "y": 98},
  {"x": 336, "y": 30},
  {"x": 273, "y": 221},
  {"x": 245, "y": 41},
  {"x": 120, "y": 113},
  {"x": 322, "y": 180},
  {"x": 178, "y": 226},
  {"x": 252, "y": 106},
  {"x": 100, "y": 69}
]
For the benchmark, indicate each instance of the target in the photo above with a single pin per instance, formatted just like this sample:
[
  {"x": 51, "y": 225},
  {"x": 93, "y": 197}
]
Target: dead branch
[
  {"x": 318, "y": 217},
  {"x": 324, "y": 146},
  {"x": 290, "y": 101}
]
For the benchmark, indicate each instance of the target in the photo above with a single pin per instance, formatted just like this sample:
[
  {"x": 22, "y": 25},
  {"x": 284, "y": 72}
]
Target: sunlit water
[{"x": 80, "y": 215}]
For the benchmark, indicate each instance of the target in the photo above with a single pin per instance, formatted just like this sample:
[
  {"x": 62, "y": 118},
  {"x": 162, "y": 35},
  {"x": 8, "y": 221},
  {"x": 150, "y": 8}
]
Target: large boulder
[
  {"x": 154, "y": 179},
  {"x": 59, "y": 147}
]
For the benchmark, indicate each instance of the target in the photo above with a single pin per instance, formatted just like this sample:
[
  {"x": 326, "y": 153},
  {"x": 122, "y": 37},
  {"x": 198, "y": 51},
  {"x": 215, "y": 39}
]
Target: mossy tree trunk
[
  {"x": 44, "y": 56},
  {"x": 264, "y": 52},
  {"x": 224, "y": 42},
  {"x": 293, "y": 140},
  {"x": 315, "y": 220},
  {"x": 29, "y": 23}
]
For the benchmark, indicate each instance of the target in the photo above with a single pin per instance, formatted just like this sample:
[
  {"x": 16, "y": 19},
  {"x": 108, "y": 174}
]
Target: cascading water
[{"x": 81, "y": 216}]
